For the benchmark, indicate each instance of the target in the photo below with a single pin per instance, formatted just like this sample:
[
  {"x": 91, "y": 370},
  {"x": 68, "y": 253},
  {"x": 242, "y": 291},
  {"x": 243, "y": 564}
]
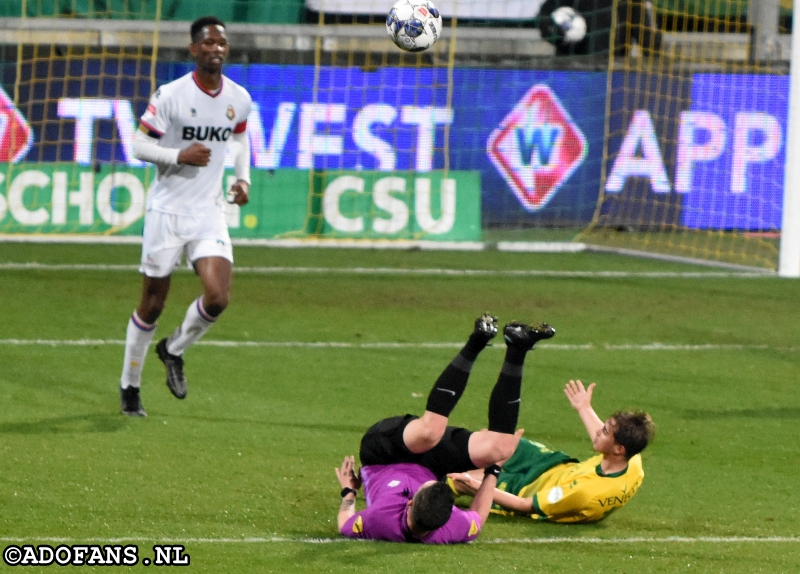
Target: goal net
[{"x": 695, "y": 145}]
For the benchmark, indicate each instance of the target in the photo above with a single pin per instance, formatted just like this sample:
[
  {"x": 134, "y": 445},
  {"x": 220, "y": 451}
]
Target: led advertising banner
[
  {"x": 535, "y": 137},
  {"x": 82, "y": 110},
  {"x": 711, "y": 159},
  {"x": 732, "y": 152},
  {"x": 644, "y": 112}
]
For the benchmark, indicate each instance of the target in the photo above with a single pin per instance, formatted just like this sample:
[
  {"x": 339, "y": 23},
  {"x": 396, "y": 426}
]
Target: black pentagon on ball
[
  {"x": 413, "y": 28},
  {"x": 433, "y": 10},
  {"x": 391, "y": 19}
]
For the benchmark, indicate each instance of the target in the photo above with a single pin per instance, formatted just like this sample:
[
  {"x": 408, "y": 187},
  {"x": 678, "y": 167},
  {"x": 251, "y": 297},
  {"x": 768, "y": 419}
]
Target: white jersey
[{"x": 180, "y": 114}]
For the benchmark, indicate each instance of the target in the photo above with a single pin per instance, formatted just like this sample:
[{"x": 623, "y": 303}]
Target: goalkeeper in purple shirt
[{"x": 405, "y": 459}]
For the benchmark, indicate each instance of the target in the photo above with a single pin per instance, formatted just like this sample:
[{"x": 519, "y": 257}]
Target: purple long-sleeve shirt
[{"x": 387, "y": 489}]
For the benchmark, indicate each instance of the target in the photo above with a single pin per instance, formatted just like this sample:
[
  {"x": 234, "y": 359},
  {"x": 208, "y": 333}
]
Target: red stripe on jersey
[
  {"x": 151, "y": 108},
  {"x": 205, "y": 91},
  {"x": 240, "y": 128},
  {"x": 153, "y": 131}
]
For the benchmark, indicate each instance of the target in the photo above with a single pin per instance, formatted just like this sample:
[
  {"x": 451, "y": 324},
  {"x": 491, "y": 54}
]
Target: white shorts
[{"x": 167, "y": 237}]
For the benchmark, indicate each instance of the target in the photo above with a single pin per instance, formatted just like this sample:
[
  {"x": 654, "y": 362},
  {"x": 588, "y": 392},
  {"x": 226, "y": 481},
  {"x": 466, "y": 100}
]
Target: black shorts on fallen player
[{"x": 383, "y": 444}]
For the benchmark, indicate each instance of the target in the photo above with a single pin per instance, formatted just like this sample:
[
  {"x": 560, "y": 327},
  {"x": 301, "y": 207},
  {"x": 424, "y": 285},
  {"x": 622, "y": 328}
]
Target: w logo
[
  {"x": 537, "y": 147},
  {"x": 536, "y": 144}
]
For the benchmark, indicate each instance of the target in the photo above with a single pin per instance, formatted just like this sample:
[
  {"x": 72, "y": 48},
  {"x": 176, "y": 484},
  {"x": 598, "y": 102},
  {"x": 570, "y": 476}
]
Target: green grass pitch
[{"x": 241, "y": 472}]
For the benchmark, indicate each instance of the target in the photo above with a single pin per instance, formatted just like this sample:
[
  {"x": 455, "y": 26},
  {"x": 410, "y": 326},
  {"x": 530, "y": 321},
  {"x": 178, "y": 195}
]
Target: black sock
[
  {"x": 515, "y": 356},
  {"x": 475, "y": 344},
  {"x": 451, "y": 383},
  {"x": 505, "y": 399}
]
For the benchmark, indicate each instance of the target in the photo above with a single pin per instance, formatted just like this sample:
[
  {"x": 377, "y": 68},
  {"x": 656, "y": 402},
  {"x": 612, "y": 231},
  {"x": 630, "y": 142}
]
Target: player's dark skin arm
[
  {"x": 196, "y": 154},
  {"x": 240, "y": 191}
]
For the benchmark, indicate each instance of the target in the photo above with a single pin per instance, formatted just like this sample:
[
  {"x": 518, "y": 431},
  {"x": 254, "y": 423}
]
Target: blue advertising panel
[
  {"x": 703, "y": 151},
  {"x": 732, "y": 152},
  {"x": 82, "y": 110},
  {"x": 644, "y": 114},
  {"x": 535, "y": 136}
]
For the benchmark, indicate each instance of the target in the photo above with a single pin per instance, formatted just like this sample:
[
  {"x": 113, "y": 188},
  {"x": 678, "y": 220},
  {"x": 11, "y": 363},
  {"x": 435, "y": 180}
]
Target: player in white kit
[{"x": 185, "y": 132}]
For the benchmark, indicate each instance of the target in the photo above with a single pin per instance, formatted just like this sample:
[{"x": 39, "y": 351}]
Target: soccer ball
[
  {"x": 568, "y": 26},
  {"x": 414, "y": 25}
]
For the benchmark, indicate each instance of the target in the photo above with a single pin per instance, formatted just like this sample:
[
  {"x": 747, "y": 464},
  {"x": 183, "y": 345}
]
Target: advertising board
[
  {"x": 535, "y": 137},
  {"x": 57, "y": 198},
  {"x": 704, "y": 151}
]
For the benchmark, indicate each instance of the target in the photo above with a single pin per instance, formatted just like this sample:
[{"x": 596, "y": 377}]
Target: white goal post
[{"x": 789, "y": 259}]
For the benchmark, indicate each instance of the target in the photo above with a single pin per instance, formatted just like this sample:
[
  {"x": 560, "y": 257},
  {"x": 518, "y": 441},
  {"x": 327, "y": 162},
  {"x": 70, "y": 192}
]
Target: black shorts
[{"x": 383, "y": 444}]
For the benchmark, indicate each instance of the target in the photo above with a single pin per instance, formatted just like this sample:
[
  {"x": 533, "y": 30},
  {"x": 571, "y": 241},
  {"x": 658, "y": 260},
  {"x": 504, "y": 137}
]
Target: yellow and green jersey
[{"x": 565, "y": 490}]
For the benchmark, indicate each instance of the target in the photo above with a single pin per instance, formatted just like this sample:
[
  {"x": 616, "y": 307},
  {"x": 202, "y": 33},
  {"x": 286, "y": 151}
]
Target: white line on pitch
[
  {"x": 343, "y": 345},
  {"x": 414, "y": 272},
  {"x": 550, "y": 540},
  {"x": 645, "y": 539}
]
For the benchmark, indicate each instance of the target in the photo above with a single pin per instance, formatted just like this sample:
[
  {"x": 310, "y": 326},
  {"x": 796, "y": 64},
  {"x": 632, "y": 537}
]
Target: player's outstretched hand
[
  {"x": 579, "y": 397},
  {"x": 196, "y": 154},
  {"x": 347, "y": 474},
  {"x": 239, "y": 193}
]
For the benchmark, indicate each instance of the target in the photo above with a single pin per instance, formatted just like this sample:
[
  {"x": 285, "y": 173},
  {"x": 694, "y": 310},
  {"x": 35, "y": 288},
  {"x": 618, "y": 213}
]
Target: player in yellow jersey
[{"x": 551, "y": 485}]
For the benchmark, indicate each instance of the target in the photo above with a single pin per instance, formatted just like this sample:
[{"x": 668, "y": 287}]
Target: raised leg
[
  {"x": 424, "y": 433},
  {"x": 499, "y": 441}
]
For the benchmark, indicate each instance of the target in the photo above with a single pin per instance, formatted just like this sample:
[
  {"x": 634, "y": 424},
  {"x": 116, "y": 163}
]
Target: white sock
[
  {"x": 137, "y": 340},
  {"x": 195, "y": 324}
]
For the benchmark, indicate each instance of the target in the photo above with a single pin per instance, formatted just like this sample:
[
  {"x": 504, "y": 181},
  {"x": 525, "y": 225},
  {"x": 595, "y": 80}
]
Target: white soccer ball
[
  {"x": 414, "y": 25},
  {"x": 570, "y": 26}
]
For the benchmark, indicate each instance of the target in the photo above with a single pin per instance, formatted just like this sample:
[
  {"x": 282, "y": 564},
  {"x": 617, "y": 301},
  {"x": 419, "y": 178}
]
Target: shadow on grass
[
  {"x": 88, "y": 423},
  {"x": 763, "y": 413}
]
